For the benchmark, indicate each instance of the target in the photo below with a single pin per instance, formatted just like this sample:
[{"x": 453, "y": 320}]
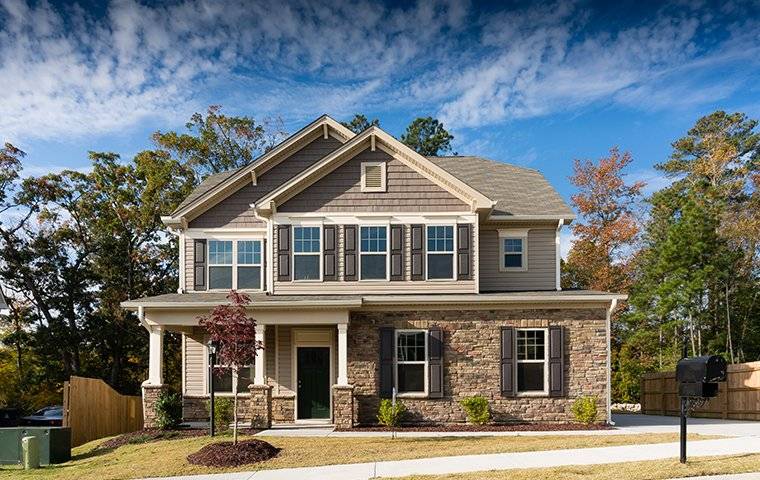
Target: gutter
[
  {"x": 273, "y": 304},
  {"x": 564, "y": 217},
  {"x": 480, "y": 299}
]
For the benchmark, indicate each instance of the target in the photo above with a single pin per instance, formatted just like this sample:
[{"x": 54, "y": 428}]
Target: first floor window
[
  {"x": 220, "y": 264},
  {"x": 531, "y": 360},
  {"x": 249, "y": 264},
  {"x": 223, "y": 379},
  {"x": 374, "y": 253},
  {"x": 307, "y": 246},
  {"x": 411, "y": 361},
  {"x": 440, "y": 252}
]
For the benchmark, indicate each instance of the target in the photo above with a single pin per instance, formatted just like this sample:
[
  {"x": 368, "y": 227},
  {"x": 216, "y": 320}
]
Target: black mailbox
[{"x": 704, "y": 369}]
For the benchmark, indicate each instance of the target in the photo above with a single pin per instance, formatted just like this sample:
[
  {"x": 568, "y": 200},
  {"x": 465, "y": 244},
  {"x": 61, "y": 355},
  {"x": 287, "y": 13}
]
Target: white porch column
[
  {"x": 258, "y": 373},
  {"x": 342, "y": 354},
  {"x": 156, "y": 356}
]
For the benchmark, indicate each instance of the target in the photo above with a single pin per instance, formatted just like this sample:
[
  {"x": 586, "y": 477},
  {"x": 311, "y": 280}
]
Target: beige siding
[
  {"x": 270, "y": 352},
  {"x": 541, "y": 261},
  {"x": 195, "y": 364},
  {"x": 340, "y": 191},
  {"x": 189, "y": 270},
  {"x": 284, "y": 361},
  {"x": 236, "y": 211}
]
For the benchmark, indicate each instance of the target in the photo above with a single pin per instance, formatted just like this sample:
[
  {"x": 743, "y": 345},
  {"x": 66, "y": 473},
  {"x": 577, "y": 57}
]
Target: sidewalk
[{"x": 500, "y": 461}]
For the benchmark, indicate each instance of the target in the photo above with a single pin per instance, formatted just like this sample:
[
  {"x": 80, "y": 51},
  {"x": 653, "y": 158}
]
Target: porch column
[
  {"x": 342, "y": 354},
  {"x": 259, "y": 364},
  {"x": 156, "y": 356}
]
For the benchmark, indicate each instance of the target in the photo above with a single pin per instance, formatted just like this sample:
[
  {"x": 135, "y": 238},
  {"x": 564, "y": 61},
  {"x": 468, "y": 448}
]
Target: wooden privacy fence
[
  {"x": 738, "y": 397},
  {"x": 95, "y": 410}
]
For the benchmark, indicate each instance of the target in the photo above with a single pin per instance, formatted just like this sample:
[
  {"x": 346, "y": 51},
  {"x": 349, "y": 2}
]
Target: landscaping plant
[
  {"x": 584, "y": 410},
  {"x": 476, "y": 409},
  {"x": 390, "y": 415},
  {"x": 223, "y": 413},
  {"x": 168, "y": 410},
  {"x": 230, "y": 327}
]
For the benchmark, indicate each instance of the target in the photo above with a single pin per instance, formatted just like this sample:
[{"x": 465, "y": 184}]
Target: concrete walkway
[
  {"x": 501, "y": 461},
  {"x": 735, "y": 476}
]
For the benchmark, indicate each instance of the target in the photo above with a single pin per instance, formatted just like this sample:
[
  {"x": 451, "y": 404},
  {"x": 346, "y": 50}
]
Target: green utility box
[{"x": 55, "y": 444}]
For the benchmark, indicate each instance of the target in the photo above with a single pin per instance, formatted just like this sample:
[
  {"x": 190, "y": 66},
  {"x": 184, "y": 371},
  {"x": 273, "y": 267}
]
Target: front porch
[{"x": 299, "y": 378}]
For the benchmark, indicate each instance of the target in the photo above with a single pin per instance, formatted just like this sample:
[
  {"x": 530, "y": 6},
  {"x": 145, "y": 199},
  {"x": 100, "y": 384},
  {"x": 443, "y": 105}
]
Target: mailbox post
[{"x": 697, "y": 379}]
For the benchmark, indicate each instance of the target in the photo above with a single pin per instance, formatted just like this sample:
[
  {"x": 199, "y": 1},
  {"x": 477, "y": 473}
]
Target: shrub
[
  {"x": 388, "y": 415},
  {"x": 584, "y": 410},
  {"x": 223, "y": 413},
  {"x": 168, "y": 410},
  {"x": 476, "y": 409}
]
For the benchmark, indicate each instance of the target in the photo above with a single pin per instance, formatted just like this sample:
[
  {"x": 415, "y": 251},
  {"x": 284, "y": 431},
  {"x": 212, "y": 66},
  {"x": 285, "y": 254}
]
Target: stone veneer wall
[
  {"x": 195, "y": 409},
  {"x": 472, "y": 362},
  {"x": 284, "y": 408},
  {"x": 150, "y": 395}
]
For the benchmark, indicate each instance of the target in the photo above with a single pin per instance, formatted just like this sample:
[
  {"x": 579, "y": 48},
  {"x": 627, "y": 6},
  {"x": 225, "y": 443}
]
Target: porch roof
[{"x": 212, "y": 299}]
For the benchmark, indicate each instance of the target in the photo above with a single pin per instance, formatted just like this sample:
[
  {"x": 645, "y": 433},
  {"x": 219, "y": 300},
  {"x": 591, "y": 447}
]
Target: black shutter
[
  {"x": 283, "y": 253},
  {"x": 508, "y": 387},
  {"x": 386, "y": 362},
  {"x": 397, "y": 252},
  {"x": 556, "y": 361},
  {"x": 349, "y": 253},
  {"x": 330, "y": 254},
  {"x": 199, "y": 265},
  {"x": 435, "y": 362},
  {"x": 418, "y": 252},
  {"x": 464, "y": 252}
]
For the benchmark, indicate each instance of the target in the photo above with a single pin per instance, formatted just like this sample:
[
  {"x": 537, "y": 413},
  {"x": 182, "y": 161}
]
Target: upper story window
[
  {"x": 374, "y": 253},
  {"x": 532, "y": 360},
  {"x": 235, "y": 264},
  {"x": 411, "y": 361},
  {"x": 307, "y": 251},
  {"x": 513, "y": 249},
  {"x": 373, "y": 177},
  {"x": 440, "y": 252}
]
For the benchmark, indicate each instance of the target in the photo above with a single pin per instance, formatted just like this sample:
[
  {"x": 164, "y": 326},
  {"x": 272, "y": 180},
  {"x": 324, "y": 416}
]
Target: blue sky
[{"x": 531, "y": 84}]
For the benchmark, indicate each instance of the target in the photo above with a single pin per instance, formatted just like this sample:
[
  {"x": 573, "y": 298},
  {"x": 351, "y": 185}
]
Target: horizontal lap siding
[
  {"x": 195, "y": 365},
  {"x": 340, "y": 191},
  {"x": 189, "y": 267},
  {"x": 284, "y": 361},
  {"x": 541, "y": 262},
  {"x": 236, "y": 211}
]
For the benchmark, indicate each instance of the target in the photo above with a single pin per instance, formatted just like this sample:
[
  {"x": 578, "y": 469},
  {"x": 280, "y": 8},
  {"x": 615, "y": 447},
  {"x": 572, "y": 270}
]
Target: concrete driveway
[{"x": 634, "y": 423}]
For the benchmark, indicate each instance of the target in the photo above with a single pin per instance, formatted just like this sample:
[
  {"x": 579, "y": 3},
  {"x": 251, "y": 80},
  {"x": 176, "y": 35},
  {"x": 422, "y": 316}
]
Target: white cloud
[
  {"x": 653, "y": 180},
  {"x": 566, "y": 240}
]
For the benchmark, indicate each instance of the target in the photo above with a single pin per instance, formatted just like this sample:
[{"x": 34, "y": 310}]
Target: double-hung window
[
  {"x": 513, "y": 249},
  {"x": 249, "y": 264},
  {"x": 513, "y": 252},
  {"x": 374, "y": 253},
  {"x": 220, "y": 264},
  {"x": 532, "y": 360},
  {"x": 224, "y": 379},
  {"x": 307, "y": 247},
  {"x": 440, "y": 252},
  {"x": 411, "y": 361}
]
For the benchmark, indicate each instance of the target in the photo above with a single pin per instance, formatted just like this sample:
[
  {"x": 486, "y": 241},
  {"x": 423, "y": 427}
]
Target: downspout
[
  {"x": 141, "y": 318},
  {"x": 182, "y": 262},
  {"x": 613, "y": 305},
  {"x": 558, "y": 252}
]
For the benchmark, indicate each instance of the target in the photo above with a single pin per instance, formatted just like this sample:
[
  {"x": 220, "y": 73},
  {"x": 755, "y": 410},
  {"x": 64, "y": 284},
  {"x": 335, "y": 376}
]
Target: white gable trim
[
  {"x": 387, "y": 143},
  {"x": 256, "y": 168}
]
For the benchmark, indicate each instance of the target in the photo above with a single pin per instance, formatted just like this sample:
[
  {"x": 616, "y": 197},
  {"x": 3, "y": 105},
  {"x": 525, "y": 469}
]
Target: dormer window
[{"x": 373, "y": 177}]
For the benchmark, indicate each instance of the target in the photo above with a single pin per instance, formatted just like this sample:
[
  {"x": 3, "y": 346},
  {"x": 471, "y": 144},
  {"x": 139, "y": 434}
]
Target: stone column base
[
  {"x": 343, "y": 406},
  {"x": 150, "y": 395},
  {"x": 261, "y": 406}
]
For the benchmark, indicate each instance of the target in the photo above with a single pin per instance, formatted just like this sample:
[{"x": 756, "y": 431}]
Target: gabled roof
[
  {"x": 375, "y": 137},
  {"x": 518, "y": 191},
  {"x": 218, "y": 184}
]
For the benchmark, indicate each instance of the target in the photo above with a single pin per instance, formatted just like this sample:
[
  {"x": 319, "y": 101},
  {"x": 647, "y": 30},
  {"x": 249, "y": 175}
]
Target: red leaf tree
[{"x": 234, "y": 333}]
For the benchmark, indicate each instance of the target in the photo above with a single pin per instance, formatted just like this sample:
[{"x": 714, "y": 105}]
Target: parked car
[
  {"x": 49, "y": 416},
  {"x": 9, "y": 417}
]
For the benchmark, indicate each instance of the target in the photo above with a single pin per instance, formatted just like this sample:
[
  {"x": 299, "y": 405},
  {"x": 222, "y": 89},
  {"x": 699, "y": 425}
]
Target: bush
[
  {"x": 388, "y": 415},
  {"x": 584, "y": 410},
  {"x": 476, "y": 409},
  {"x": 223, "y": 413},
  {"x": 168, "y": 410}
]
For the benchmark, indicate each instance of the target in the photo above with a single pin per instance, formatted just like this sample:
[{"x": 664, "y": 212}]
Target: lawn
[
  {"x": 169, "y": 457},
  {"x": 650, "y": 470}
]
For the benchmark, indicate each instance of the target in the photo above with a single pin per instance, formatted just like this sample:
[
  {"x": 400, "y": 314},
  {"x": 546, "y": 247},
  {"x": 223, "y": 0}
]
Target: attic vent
[{"x": 373, "y": 177}]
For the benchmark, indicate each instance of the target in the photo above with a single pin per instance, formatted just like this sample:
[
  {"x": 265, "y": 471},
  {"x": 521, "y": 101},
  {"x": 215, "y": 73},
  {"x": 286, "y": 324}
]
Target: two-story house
[{"x": 376, "y": 270}]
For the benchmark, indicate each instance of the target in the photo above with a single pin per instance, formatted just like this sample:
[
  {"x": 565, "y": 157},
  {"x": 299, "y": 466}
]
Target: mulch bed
[
  {"x": 149, "y": 435},
  {"x": 504, "y": 427},
  {"x": 226, "y": 454}
]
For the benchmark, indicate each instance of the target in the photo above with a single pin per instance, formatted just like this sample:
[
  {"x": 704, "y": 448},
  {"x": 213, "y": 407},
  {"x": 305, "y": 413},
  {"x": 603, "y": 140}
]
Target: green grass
[{"x": 169, "y": 457}]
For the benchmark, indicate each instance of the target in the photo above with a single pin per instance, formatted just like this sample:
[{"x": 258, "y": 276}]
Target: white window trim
[
  {"x": 387, "y": 254},
  {"x": 320, "y": 254},
  {"x": 545, "y": 361},
  {"x": 396, "y": 363},
  {"x": 234, "y": 265},
  {"x": 453, "y": 252},
  {"x": 383, "y": 178},
  {"x": 209, "y": 379},
  {"x": 513, "y": 234}
]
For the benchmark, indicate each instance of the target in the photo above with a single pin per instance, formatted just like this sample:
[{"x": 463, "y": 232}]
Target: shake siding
[
  {"x": 236, "y": 211},
  {"x": 195, "y": 364},
  {"x": 541, "y": 262},
  {"x": 340, "y": 191}
]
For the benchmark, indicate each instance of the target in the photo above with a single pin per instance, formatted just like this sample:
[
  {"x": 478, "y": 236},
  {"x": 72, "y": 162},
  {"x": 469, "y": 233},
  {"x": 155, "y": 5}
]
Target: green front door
[{"x": 313, "y": 382}]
